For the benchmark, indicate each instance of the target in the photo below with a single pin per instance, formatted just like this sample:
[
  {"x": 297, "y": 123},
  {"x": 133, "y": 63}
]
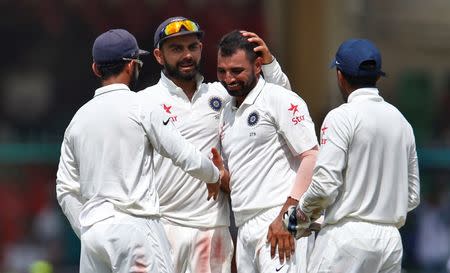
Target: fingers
[
  {"x": 304, "y": 233},
  {"x": 269, "y": 235},
  {"x": 315, "y": 226},
  {"x": 301, "y": 215},
  {"x": 282, "y": 251},
  {"x": 286, "y": 247},
  {"x": 216, "y": 158},
  {"x": 213, "y": 190},
  {"x": 212, "y": 195},
  {"x": 273, "y": 246},
  {"x": 261, "y": 48},
  {"x": 292, "y": 243}
]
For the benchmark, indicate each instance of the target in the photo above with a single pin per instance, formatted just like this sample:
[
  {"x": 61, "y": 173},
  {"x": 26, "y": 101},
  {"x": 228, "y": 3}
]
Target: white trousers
[
  {"x": 200, "y": 250},
  {"x": 253, "y": 250},
  {"x": 125, "y": 244},
  {"x": 355, "y": 246}
]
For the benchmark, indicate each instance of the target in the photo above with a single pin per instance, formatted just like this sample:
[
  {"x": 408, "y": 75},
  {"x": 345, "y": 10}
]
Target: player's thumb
[{"x": 216, "y": 158}]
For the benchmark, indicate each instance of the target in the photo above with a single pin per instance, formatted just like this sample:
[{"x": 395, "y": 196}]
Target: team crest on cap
[
  {"x": 215, "y": 103},
  {"x": 253, "y": 118}
]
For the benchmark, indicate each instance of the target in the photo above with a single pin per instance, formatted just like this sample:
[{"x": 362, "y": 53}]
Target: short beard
[
  {"x": 174, "y": 72},
  {"x": 245, "y": 88}
]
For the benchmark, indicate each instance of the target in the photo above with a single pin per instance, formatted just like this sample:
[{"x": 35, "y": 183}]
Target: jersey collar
[
  {"x": 365, "y": 93},
  {"x": 173, "y": 88},
  {"x": 110, "y": 88}
]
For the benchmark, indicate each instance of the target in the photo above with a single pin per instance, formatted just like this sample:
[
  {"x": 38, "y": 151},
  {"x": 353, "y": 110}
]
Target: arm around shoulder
[{"x": 274, "y": 74}]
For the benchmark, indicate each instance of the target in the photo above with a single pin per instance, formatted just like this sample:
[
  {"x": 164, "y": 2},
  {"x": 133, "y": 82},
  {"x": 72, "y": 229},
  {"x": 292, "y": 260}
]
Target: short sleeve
[{"x": 292, "y": 117}]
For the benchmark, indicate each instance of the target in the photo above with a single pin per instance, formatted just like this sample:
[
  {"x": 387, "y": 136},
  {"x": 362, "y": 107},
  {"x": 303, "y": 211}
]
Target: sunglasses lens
[
  {"x": 175, "y": 27},
  {"x": 191, "y": 26}
]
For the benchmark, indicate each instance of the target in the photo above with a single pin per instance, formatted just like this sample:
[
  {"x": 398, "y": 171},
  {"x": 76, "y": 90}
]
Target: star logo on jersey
[
  {"x": 323, "y": 140},
  {"x": 294, "y": 109},
  {"x": 167, "y": 108},
  {"x": 215, "y": 103},
  {"x": 253, "y": 118}
]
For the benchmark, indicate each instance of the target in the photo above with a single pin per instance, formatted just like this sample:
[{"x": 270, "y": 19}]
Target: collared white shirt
[
  {"x": 106, "y": 159},
  {"x": 260, "y": 141},
  {"x": 183, "y": 197},
  {"x": 367, "y": 165}
]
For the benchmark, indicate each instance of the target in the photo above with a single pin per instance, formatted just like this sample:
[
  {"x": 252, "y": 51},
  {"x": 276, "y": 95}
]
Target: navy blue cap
[
  {"x": 114, "y": 45},
  {"x": 352, "y": 53},
  {"x": 160, "y": 35}
]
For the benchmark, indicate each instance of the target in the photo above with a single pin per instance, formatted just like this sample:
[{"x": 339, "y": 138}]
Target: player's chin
[
  {"x": 234, "y": 89},
  {"x": 187, "y": 75}
]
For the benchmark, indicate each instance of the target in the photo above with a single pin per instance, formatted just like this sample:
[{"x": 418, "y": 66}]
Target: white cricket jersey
[
  {"x": 183, "y": 197},
  {"x": 260, "y": 141},
  {"x": 106, "y": 159},
  {"x": 367, "y": 165}
]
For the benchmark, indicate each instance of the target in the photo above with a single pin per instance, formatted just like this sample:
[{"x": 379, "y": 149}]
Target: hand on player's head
[{"x": 261, "y": 48}]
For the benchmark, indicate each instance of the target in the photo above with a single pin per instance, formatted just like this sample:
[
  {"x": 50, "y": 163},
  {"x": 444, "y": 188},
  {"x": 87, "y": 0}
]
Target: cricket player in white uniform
[
  {"x": 197, "y": 230},
  {"x": 366, "y": 176},
  {"x": 269, "y": 145},
  {"x": 105, "y": 180}
]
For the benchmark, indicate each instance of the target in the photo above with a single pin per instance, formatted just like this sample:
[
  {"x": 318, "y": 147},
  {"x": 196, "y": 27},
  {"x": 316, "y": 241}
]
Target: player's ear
[
  {"x": 129, "y": 67},
  {"x": 340, "y": 76},
  {"x": 96, "y": 71},
  {"x": 158, "y": 56},
  {"x": 258, "y": 64}
]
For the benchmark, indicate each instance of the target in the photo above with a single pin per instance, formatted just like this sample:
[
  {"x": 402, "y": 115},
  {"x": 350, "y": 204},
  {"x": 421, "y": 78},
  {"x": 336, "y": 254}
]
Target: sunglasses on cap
[
  {"x": 139, "y": 62},
  {"x": 177, "y": 26}
]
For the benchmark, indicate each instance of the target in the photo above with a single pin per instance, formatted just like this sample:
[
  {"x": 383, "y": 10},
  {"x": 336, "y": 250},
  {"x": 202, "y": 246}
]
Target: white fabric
[
  {"x": 200, "y": 250},
  {"x": 186, "y": 214},
  {"x": 304, "y": 173},
  {"x": 355, "y": 247},
  {"x": 183, "y": 197},
  {"x": 367, "y": 165},
  {"x": 106, "y": 159},
  {"x": 123, "y": 244},
  {"x": 273, "y": 73},
  {"x": 253, "y": 250},
  {"x": 261, "y": 141}
]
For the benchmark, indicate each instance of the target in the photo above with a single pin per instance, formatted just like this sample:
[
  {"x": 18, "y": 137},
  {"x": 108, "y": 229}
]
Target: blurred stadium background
[{"x": 46, "y": 76}]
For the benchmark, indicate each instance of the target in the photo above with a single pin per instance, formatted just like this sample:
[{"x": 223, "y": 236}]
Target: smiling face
[
  {"x": 180, "y": 56},
  {"x": 237, "y": 74}
]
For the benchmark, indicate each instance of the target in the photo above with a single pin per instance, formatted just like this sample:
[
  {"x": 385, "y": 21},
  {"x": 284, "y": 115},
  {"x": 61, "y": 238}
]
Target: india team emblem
[
  {"x": 215, "y": 103},
  {"x": 253, "y": 118}
]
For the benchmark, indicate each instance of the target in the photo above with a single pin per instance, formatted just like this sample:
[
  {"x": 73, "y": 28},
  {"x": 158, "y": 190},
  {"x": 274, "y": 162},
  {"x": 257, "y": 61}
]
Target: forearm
[{"x": 304, "y": 173}]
